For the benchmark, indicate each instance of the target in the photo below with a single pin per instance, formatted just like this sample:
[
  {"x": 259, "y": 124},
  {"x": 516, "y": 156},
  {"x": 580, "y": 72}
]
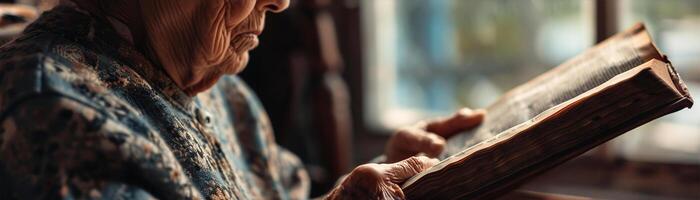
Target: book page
[
  {"x": 568, "y": 129},
  {"x": 578, "y": 75}
]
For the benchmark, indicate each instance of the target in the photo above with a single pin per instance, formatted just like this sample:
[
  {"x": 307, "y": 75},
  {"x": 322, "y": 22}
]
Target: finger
[
  {"x": 367, "y": 181},
  {"x": 411, "y": 141},
  {"x": 464, "y": 119},
  {"x": 415, "y": 140},
  {"x": 402, "y": 170},
  {"x": 431, "y": 144}
]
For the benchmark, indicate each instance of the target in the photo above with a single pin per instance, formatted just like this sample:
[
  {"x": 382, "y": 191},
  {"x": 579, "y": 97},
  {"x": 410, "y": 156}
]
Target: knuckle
[
  {"x": 413, "y": 164},
  {"x": 414, "y": 160},
  {"x": 367, "y": 170}
]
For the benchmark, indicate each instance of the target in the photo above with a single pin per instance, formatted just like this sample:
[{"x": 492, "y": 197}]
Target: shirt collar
[
  {"x": 156, "y": 76},
  {"x": 109, "y": 35}
]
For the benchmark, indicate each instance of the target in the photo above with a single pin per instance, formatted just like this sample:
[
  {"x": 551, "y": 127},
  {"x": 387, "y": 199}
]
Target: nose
[{"x": 273, "y": 5}]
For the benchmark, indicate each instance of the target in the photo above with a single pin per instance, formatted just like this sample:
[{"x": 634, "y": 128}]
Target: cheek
[
  {"x": 213, "y": 33},
  {"x": 238, "y": 10},
  {"x": 216, "y": 29}
]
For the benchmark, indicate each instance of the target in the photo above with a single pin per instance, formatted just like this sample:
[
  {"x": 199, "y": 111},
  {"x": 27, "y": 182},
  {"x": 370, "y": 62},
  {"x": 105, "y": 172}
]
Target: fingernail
[
  {"x": 433, "y": 161},
  {"x": 465, "y": 112},
  {"x": 438, "y": 142},
  {"x": 427, "y": 160}
]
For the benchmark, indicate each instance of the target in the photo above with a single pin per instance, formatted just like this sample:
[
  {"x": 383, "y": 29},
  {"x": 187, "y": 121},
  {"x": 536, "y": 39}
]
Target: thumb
[
  {"x": 464, "y": 119},
  {"x": 400, "y": 171}
]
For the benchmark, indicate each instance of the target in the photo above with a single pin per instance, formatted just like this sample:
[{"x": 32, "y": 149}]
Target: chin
[
  {"x": 238, "y": 64},
  {"x": 234, "y": 64}
]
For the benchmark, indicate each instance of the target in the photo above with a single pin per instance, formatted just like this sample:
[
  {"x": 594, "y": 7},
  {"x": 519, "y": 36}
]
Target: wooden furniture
[{"x": 297, "y": 73}]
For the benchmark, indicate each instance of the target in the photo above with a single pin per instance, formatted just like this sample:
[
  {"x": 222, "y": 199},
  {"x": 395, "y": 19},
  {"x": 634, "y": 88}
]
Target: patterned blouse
[{"x": 84, "y": 115}]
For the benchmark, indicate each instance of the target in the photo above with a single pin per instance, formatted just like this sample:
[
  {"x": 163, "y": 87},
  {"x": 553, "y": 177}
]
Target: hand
[
  {"x": 428, "y": 137},
  {"x": 380, "y": 181}
]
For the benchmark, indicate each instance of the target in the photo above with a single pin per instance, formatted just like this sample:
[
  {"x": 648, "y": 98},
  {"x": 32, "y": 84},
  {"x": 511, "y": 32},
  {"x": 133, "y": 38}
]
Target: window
[
  {"x": 675, "y": 27},
  {"x": 428, "y": 58}
]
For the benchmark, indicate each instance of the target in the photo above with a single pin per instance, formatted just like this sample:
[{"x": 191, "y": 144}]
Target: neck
[{"x": 125, "y": 17}]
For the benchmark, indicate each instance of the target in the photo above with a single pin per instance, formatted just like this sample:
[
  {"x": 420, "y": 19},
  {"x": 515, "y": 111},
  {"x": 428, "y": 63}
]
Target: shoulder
[
  {"x": 250, "y": 118},
  {"x": 49, "y": 58},
  {"x": 33, "y": 64},
  {"x": 239, "y": 95},
  {"x": 50, "y": 81},
  {"x": 37, "y": 74}
]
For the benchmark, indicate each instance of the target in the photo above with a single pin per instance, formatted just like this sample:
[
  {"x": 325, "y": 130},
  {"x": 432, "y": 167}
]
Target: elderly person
[{"x": 136, "y": 99}]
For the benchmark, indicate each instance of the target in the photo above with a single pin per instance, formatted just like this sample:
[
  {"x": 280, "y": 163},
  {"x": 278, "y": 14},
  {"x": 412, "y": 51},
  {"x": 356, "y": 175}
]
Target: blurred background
[{"x": 338, "y": 76}]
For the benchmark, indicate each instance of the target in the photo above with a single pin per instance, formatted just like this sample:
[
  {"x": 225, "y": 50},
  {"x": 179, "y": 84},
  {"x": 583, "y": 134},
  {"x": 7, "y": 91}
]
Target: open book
[{"x": 607, "y": 90}]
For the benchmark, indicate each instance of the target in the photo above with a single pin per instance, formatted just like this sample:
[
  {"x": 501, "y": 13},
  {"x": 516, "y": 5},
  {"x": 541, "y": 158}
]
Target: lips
[
  {"x": 245, "y": 41},
  {"x": 245, "y": 35},
  {"x": 256, "y": 31}
]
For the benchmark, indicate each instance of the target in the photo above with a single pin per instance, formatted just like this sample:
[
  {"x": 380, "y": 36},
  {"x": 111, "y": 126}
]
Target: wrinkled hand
[
  {"x": 380, "y": 181},
  {"x": 428, "y": 137}
]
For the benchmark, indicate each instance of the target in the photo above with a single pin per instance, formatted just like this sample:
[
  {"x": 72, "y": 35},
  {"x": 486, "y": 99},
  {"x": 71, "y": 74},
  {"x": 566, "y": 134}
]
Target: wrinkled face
[{"x": 197, "y": 41}]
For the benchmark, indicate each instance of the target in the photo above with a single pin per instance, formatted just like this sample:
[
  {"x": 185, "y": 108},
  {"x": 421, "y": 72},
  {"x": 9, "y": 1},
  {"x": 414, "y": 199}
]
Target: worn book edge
[
  {"x": 663, "y": 69},
  {"x": 523, "y": 175}
]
